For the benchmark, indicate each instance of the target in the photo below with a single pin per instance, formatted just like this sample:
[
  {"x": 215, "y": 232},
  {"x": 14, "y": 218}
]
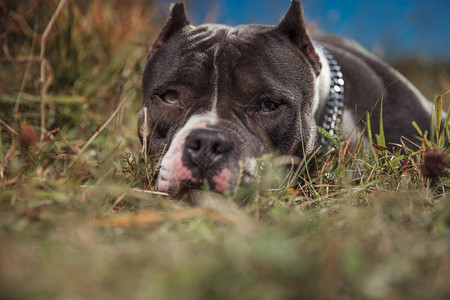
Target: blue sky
[{"x": 392, "y": 28}]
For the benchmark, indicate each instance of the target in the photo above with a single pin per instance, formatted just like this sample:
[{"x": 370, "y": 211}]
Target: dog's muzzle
[{"x": 203, "y": 156}]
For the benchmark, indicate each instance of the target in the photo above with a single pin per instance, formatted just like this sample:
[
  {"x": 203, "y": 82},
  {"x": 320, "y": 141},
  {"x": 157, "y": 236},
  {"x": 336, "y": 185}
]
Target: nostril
[
  {"x": 215, "y": 148},
  {"x": 221, "y": 147}
]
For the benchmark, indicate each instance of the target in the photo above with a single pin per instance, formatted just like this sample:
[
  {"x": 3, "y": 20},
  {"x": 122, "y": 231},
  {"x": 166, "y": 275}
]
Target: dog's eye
[
  {"x": 267, "y": 105},
  {"x": 170, "y": 97}
]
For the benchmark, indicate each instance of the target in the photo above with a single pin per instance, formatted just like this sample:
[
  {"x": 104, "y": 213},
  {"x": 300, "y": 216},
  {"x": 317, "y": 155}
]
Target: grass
[{"x": 78, "y": 220}]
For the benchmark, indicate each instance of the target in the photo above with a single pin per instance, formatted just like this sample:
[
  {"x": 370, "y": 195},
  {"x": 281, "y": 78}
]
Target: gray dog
[{"x": 215, "y": 98}]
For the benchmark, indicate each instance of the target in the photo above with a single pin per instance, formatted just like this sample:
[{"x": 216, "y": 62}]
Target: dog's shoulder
[
  {"x": 369, "y": 79},
  {"x": 338, "y": 42}
]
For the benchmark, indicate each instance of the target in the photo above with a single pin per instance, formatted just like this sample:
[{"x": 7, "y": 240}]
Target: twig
[
  {"x": 44, "y": 63},
  {"x": 97, "y": 133},
  {"x": 9, "y": 127}
]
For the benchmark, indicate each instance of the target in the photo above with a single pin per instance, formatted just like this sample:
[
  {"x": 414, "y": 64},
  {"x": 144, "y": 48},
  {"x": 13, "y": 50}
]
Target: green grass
[{"x": 78, "y": 219}]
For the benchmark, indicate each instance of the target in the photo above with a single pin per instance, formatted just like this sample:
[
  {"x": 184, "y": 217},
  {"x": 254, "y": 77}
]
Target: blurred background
[{"x": 392, "y": 28}]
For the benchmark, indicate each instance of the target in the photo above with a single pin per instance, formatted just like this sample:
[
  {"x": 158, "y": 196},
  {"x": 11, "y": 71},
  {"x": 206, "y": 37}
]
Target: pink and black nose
[{"x": 205, "y": 149}]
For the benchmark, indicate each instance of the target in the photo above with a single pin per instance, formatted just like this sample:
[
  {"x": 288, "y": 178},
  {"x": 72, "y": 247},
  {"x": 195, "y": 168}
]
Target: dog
[{"x": 216, "y": 98}]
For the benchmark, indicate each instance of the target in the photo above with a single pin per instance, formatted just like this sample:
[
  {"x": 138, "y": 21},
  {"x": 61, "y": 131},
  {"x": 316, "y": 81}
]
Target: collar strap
[{"x": 335, "y": 99}]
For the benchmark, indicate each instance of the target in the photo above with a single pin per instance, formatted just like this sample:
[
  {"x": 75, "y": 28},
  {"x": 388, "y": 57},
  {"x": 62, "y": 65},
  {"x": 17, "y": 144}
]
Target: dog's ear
[
  {"x": 293, "y": 25},
  {"x": 178, "y": 19}
]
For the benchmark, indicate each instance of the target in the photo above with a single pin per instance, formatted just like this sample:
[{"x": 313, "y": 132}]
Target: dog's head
[{"x": 215, "y": 98}]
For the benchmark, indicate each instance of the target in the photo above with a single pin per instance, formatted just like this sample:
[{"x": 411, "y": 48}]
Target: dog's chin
[
  {"x": 194, "y": 193},
  {"x": 191, "y": 194},
  {"x": 176, "y": 181}
]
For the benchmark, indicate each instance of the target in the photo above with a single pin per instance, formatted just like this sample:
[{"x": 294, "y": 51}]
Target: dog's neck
[{"x": 322, "y": 87}]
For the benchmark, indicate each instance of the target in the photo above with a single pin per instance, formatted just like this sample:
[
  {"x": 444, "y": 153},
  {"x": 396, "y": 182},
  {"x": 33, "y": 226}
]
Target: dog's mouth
[
  {"x": 192, "y": 186},
  {"x": 181, "y": 178}
]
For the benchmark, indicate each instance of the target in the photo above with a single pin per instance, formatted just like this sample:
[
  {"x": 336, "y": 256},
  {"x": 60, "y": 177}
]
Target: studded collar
[{"x": 334, "y": 107}]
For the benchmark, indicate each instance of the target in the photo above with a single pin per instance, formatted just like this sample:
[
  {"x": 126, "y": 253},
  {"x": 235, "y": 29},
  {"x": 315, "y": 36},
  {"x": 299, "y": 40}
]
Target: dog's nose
[{"x": 205, "y": 147}]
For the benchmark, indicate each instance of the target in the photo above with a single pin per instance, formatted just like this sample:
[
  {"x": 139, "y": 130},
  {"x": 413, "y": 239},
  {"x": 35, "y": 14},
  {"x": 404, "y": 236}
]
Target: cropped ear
[
  {"x": 178, "y": 19},
  {"x": 293, "y": 26}
]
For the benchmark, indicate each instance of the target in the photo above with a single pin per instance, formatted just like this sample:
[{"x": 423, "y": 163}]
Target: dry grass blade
[
  {"x": 358, "y": 145},
  {"x": 12, "y": 151},
  {"x": 8, "y": 127},
  {"x": 45, "y": 83},
  {"x": 118, "y": 201},
  {"x": 149, "y": 192},
  {"x": 145, "y": 133},
  {"x": 20, "y": 59}
]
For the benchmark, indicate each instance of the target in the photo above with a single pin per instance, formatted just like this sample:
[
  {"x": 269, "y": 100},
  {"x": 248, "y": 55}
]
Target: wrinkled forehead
[
  {"x": 206, "y": 38},
  {"x": 200, "y": 47},
  {"x": 246, "y": 56}
]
